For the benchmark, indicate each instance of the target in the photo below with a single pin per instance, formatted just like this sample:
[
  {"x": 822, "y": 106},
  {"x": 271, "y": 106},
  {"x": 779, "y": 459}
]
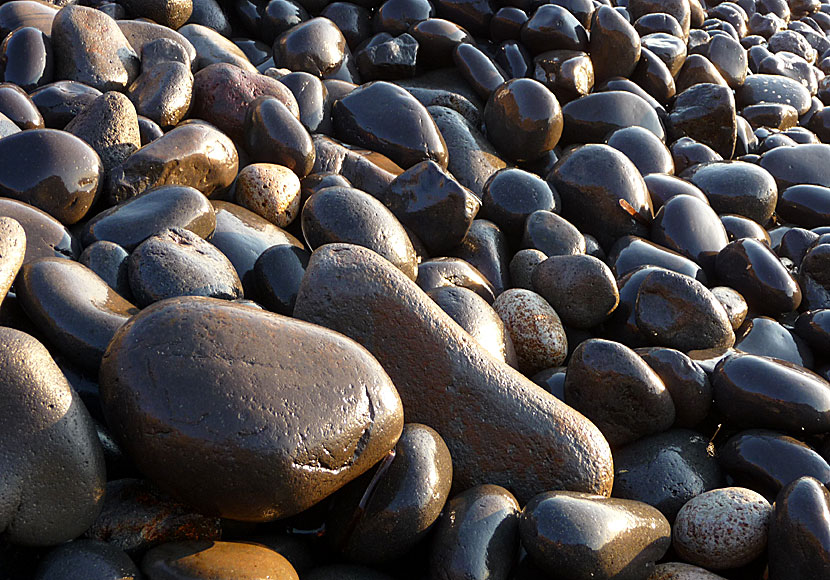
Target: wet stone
[
  {"x": 177, "y": 262},
  {"x": 397, "y": 317},
  {"x": 738, "y": 227},
  {"x": 723, "y": 528},
  {"x": 552, "y": 27},
  {"x": 386, "y": 57},
  {"x": 274, "y": 134},
  {"x": 766, "y": 337},
  {"x": 409, "y": 491},
  {"x": 28, "y": 13},
  {"x": 72, "y": 306},
  {"x": 109, "y": 261},
  {"x": 681, "y": 571},
  {"x": 535, "y": 330},
  {"x": 569, "y": 74},
  {"x": 685, "y": 380},
  {"x": 735, "y": 187},
  {"x": 478, "y": 69},
  {"x": 170, "y": 13},
  {"x": 648, "y": 153},
  {"x": 706, "y": 112},
  {"x": 19, "y": 107},
  {"x": 652, "y": 74},
  {"x": 614, "y": 45},
  {"x": 511, "y": 195},
  {"x": 163, "y": 93},
  {"x": 12, "y": 252},
  {"x": 476, "y": 538},
  {"x": 132, "y": 221},
  {"x": 90, "y": 48},
  {"x": 94, "y": 559},
  {"x": 437, "y": 39},
  {"x": 485, "y": 247},
  {"x": 630, "y": 253},
  {"x": 440, "y": 272},
  {"x": 666, "y": 470},
  {"x": 805, "y": 205},
  {"x": 210, "y": 47},
  {"x": 318, "y": 47},
  {"x": 734, "y": 304},
  {"x": 26, "y": 58},
  {"x": 45, "y": 236},
  {"x": 591, "y": 537},
  {"x": 163, "y": 50},
  {"x": 141, "y": 32},
  {"x": 814, "y": 327},
  {"x": 686, "y": 153},
  {"x": 203, "y": 559},
  {"x": 429, "y": 201},
  {"x": 476, "y": 316},
  {"x": 313, "y": 99},
  {"x": 278, "y": 272},
  {"x": 272, "y": 191},
  {"x": 214, "y": 340},
  {"x": 110, "y": 126},
  {"x": 639, "y": 403},
  {"x": 762, "y": 88},
  {"x": 677, "y": 311},
  {"x": 522, "y": 265},
  {"x": 552, "y": 235},
  {"x": 53, "y": 462}
]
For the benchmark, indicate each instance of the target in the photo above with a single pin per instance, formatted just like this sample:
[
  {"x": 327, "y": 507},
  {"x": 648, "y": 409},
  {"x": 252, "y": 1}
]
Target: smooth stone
[
  {"x": 814, "y": 327},
  {"x": 354, "y": 21},
  {"x": 766, "y": 337},
  {"x": 706, "y": 113},
  {"x": 177, "y": 262},
  {"x": 592, "y": 118},
  {"x": 132, "y": 221},
  {"x": 315, "y": 46},
  {"x": 453, "y": 382},
  {"x": 797, "y": 165},
  {"x": 313, "y": 99},
  {"x": 751, "y": 268},
  {"x": 677, "y": 311},
  {"x": 195, "y": 154},
  {"x": 738, "y": 227},
  {"x": 169, "y": 13},
  {"x": 759, "y": 392},
  {"x": 478, "y": 69},
  {"x": 511, "y": 195},
  {"x": 698, "y": 69},
  {"x": 355, "y": 419},
  {"x": 728, "y": 57},
  {"x": 735, "y": 187},
  {"x": 552, "y": 235},
  {"x": 346, "y": 572},
  {"x": 110, "y": 126},
  {"x": 278, "y": 273},
  {"x": 19, "y": 107},
  {"x": 535, "y": 330},
  {"x": 243, "y": 236},
  {"x": 771, "y": 115},
  {"x": 686, "y": 153},
  {"x": 813, "y": 279},
  {"x": 73, "y": 307},
  {"x": 223, "y": 93},
  {"x": 65, "y": 180},
  {"x": 437, "y": 39},
  {"x": 485, "y": 247},
  {"x": 653, "y": 75},
  {"x": 12, "y": 252},
  {"x": 722, "y": 528},
  {"x": 27, "y": 59},
  {"x": 681, "y": 571},
  {"x": 38, "y": 15},
  {"x": 205, "y": 559},
  {"x": 433, "y": 204},
  {"x": 366, "y": 170},
  {"x": 584, "y": 537},
  {"x": 523, "y": 119},
  {"x": 95, "y": 560},
  {"x": 272, "y": 191},
  {"x": 109, "y": 261},
  {"x": 734, "y": 304},
  {"x": 639, "y": 404},
  {"x": 681, "y": 11},
  {"x": 763, "y": 88},
  {"x": 522, "y": 265},
  {"x": 621, "y": 326},
  {"x": 568, "y": 74},
  {"x": 580, "y": 288},
  {"x": 666, "y": 470},
  {"x": 476, "y": 316},
  {"x": 52, "y": 462},
  {"x": 136, "y": 516},
  {"x": 45, "y": 236},
  {"x": 141, "y": 32},
  {"x": 407, "y": 495},
  {"x": 90, "y": 48},
  {"x": 274, "y": 134},
  {"x": 163, "y": 50},
  {"x": 476, "y": 538},
  {"x": 614, "y": 44},
  {"x": 454, "y": 272},
  {"x": 632, "y": 252},
  {"x": 648, "y": 153},
  {"x": 687, "y": 383},
  {"x": 406, "y": 134},
  {"x": 690, "y": 227},
  {"x": 553, "y": 27},
  {"x": 599, "y": 187},
  {"x": 149, "y": 130},
  {"x": 472, "y": 158},
  {"x": 163, "y": 93},
  {"x": 348, "y": 215},
  {"x": 766, "y": 461},
  {"x": 210, "y": 47},
  {"x": 807, "y": 206},
  {"x": 665, "y": 44},
  {"x": 799, "y": 540}
]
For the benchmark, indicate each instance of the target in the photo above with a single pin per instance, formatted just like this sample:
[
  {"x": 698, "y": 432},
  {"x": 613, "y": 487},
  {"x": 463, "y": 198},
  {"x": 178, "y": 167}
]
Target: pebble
[
  {"x": 722, "y": 528},
  {"x": 272, "y": 191},
  {"x": 94, "y": 559},
  {"x": 110, "y": 126},
  {"x": 12, "y": 252},
  {"x": 197, "y": 560}
]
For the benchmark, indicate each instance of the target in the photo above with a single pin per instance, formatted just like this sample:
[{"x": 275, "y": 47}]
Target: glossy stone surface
[
  {"x": 132, "y": 221},
  {"x": 722, "y": 528},
  {"x": 551, "y": 234},
  {"x": 65, "y": 190},
  {"x": 197, "y": 560},
  {"x": 45, "y": 236},
  {"x": 164, "y": 92},
  {"x": 587, "y": 536},
  {"x": 685, "y": 380},
  {"x": 273, "y": 134},
  {"x": 736, "y": 187},
  {"x": 440, "y": 272},
  {"x": 408, "y": 493},
  {"x": 396, "y": 318},
  {"x": 614, "y": 45},
  {"x": 195, "y": 154},
  {"x": 53, "y": 462},
  {"x": 225, "y": 337},
  {"x": 766, "y": 337},
  {"x": 645, "y": 150},
  {"x": 485, "y": 247},
  {"x": 632, "y": 252},
  {"x": 109, "y": 261},
  {"x": 26, "y": 58},
  {"x": 278, "y": 273},
  {"x": 666, "y": 470},
  {"x": 706, "y": 113},
  {"x": 799, "y": 541},
  {"x": 805, "y": 205},
  {"x": 801, "y": 164},
  {"x": 553, "y": 27},
  {"x": 638, "y": 405},
  {"x": 591, "y": 118}
]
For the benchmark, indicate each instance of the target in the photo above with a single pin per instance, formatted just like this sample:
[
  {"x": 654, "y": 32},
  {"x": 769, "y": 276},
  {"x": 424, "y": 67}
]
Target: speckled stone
[
  {"x": 681, "y": 571},
  {"x": 93, "y": 559},
  {"x": 535, "y": 330},
  {"x": 270, "y": 190},
  {"x": 12, "y": 252},
  {"x": 723, "y": 528}
]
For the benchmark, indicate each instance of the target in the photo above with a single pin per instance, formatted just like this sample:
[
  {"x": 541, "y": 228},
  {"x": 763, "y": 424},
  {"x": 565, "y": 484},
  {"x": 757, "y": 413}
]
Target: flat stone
[{"x": 291, "y": 428}]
